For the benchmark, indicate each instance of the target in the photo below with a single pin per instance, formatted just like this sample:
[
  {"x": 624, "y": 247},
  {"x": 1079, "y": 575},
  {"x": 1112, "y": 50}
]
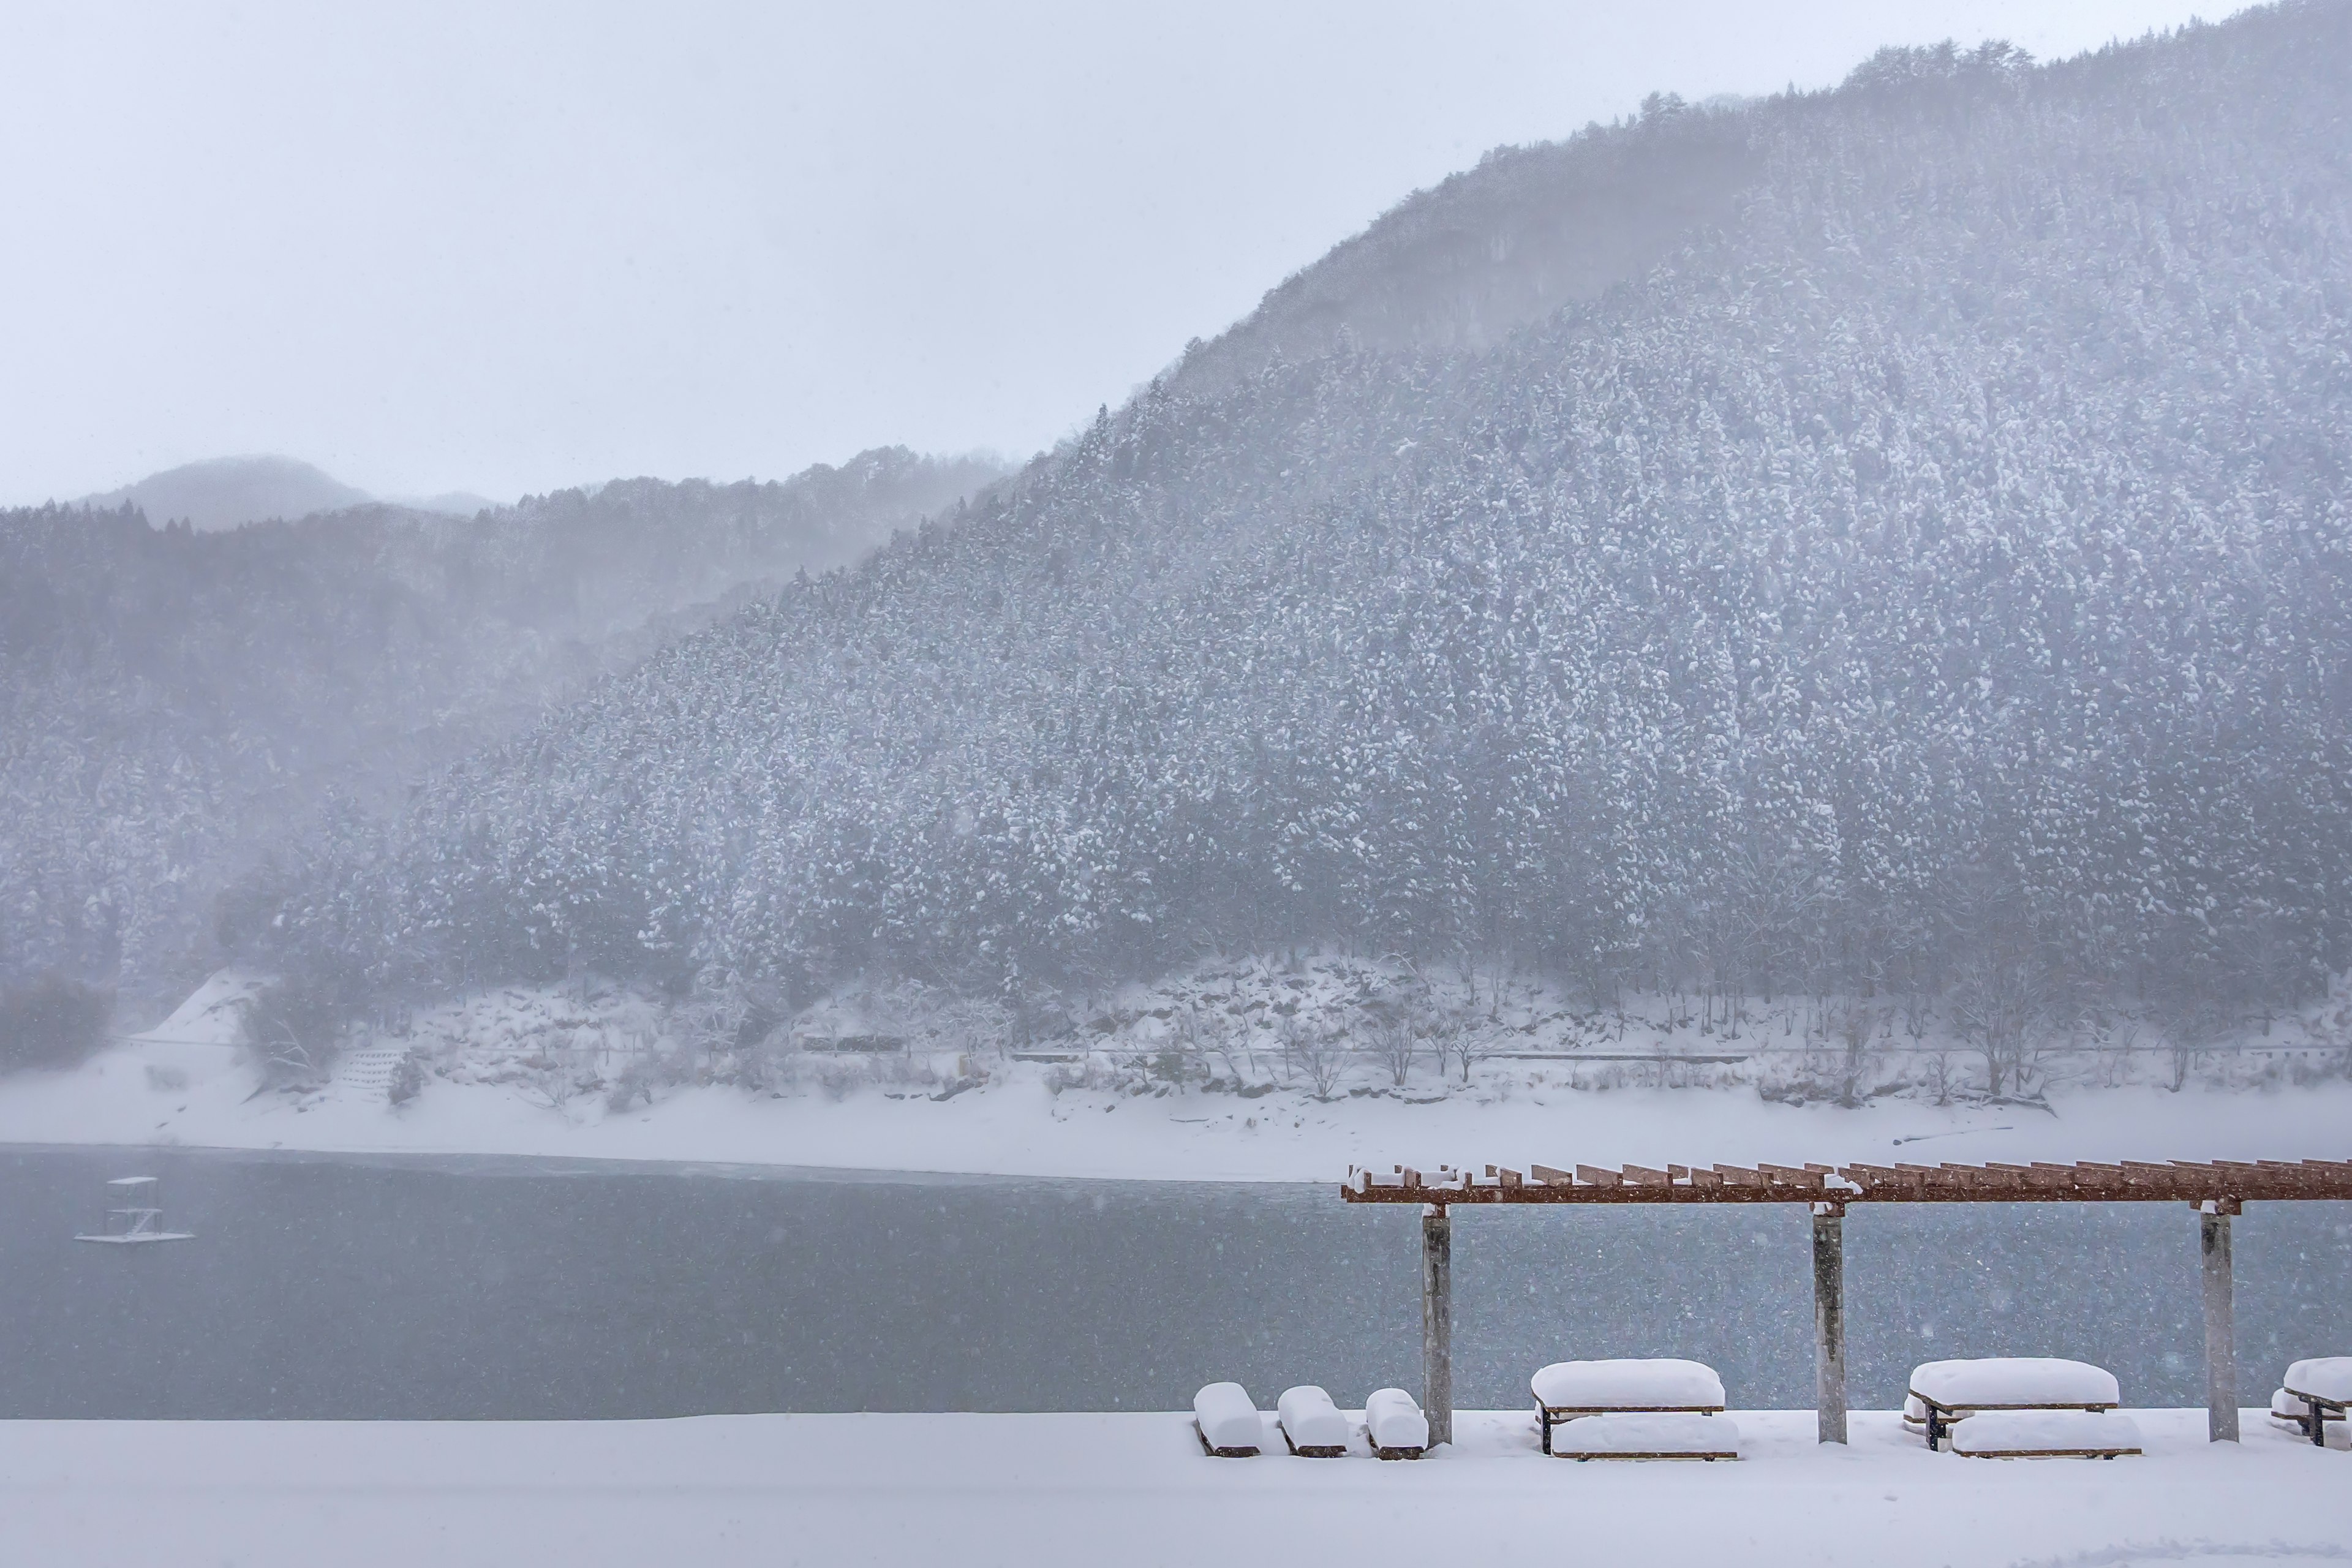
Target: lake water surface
[{"x": 325, "y": 1285}]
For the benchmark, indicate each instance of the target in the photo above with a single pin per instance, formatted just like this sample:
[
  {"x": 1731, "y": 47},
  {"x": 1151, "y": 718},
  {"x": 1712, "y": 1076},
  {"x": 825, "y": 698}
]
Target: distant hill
[
  {"x": 177, "y": 704},
  {"x": 448, "y": 503},
  {"x": 1888, "y": 541},
  {"x": 227, "y": 492}
]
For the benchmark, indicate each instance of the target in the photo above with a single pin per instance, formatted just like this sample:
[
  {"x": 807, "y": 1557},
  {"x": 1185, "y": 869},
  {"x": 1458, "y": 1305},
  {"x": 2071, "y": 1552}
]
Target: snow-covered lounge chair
[
  {"x": 2323, "y": 1384},
  {"x": 1395, "y": 1425},
  {"x": 2045, "y": 1434},
  {"x": 1950, "y": 1390},
  {"x": 1659, "y": 1386},
  {"x": 1311, "y": 1425},
  {"x": 1646, "y": 1436},
  {"x": 1228, "y": 1422}
]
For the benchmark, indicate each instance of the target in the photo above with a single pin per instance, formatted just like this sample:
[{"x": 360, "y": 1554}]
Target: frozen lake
[{"x": 356, "y": 1287}]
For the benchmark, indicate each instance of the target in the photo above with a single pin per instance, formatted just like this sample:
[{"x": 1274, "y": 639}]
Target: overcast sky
[{"x": 508, "y": 248}]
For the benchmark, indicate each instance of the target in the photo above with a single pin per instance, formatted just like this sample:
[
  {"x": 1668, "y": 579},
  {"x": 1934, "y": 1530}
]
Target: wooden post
[
  {"x": 1829, "y": 1320},
  {"x": 2221, "y": 1325},
  {"x": 1437, "y": 1321}
]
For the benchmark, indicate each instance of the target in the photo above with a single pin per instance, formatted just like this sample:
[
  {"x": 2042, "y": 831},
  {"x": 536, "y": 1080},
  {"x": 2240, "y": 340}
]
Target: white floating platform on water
[
  {"x": 135, "y": 1215},
  {"x": 1058, "y": 1492}
]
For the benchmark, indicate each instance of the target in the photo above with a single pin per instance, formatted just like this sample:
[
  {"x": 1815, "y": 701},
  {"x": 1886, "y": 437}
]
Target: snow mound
[
  {"x": 1991, "y": 1383},
  {"x": 1311, "y": 1421},
  {"x": 1229, "y": 1420},
  {"x": 1650, "y": 1383},
  {"x": 2322, "y": 1377},
  {"x": 1631, "y": 1436},
  {"x": 1393, "y": 1420},
  {"x": 2026, "y": 1434},
  {"x": 214, "y": 1014}
]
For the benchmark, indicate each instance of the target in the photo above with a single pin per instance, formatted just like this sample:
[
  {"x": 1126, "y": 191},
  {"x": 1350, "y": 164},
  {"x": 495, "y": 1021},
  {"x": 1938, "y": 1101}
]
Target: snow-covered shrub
[{"x": 407, "y": 1079}]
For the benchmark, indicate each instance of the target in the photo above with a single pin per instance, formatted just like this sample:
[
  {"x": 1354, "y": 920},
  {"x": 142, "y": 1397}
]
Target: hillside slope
[
  {"x": 175, "y": 704},
  {"x": 1927, "y": 571}
]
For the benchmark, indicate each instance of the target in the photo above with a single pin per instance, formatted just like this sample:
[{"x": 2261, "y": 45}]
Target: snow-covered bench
[
  {"x": 1228, "y": 1422},
  {"x": 1311, "y": 1425},
  {"x": 1947, "y": 1391},
  {"x": 2324, "y": 1385},
  {"x": 1395, "y": 1425},
  {"x": 2045, "y": 1434},
  {"x": 1645, "y": 1435},
  {"x": 1567, "y": 1390},
  {"x": 2289, "y": 1411}
]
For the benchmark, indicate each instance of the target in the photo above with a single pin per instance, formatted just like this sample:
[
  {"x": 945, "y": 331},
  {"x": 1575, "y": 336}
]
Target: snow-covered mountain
[{"x": 1891, "y": 538}]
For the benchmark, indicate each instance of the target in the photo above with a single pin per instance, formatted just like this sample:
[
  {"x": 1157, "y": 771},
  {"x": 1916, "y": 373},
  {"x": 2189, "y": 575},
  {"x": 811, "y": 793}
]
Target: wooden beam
[{"x": 2229, "y": 1185}]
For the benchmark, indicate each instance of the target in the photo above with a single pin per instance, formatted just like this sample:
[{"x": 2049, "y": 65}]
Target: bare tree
[
  {"x": 295, "y": 1029},
  {"x": 2002, "y": 1004},
  {"x": 1395, "y": 1044},
  {"x": 1315, "y": 1053},
  {"x": 1461, "y": 1041},
  {"x": 1857, "y": 1027},
  {"x": 2193, "y": 1022}
]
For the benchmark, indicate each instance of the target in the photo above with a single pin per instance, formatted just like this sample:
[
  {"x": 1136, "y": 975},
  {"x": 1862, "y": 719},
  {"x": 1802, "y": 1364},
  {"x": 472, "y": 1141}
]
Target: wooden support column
[
  {"x": 1829, "y": 1320},
  {"x": 1437, "y": 1321},
  {"x": 2221, "y": 1322}
]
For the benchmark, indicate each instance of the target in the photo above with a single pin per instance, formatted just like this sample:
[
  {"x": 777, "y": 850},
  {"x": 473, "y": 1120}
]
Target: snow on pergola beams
[
  {"x": 2216, "y": 1188},
  {"x": 2225, "y": 1182}
]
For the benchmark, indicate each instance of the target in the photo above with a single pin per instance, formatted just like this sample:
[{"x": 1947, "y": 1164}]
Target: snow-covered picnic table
[
  {"x": 2323, "y": 1386},
  {"x": 1638, "y": 1385},
  {"x": 1947, "y": 1390}
]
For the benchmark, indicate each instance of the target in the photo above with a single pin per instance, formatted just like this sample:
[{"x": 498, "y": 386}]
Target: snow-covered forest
[
  {"x": 174, "y": 706},
  {"x": 1887, "y": 543},
  {"x": 1927, "y": 576}
]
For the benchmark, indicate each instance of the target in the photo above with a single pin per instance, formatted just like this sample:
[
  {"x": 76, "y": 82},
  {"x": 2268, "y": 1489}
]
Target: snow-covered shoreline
[
  {"x": 1049, "y": 1490},
  {"x": 1019, "y": 1125},
  {"x": 498, "y": 1091}
]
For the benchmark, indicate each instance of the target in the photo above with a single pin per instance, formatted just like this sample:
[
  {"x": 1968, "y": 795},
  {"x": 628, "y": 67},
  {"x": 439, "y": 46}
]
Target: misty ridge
[
  {"x": 1882, "y": 542},
  {"x": 182, "y": 703}
]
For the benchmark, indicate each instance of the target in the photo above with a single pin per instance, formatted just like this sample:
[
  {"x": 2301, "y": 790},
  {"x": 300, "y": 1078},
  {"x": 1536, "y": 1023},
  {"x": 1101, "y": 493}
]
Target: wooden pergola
[{"x": 2217, "y": 1189}]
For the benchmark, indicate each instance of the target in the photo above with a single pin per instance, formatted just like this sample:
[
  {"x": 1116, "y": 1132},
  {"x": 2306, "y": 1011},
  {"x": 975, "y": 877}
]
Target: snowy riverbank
[
  {"x": 1047, "y": 1490},
  {"x": 497, "y": 1086},
  {"x": 1019, "y": 1124}
]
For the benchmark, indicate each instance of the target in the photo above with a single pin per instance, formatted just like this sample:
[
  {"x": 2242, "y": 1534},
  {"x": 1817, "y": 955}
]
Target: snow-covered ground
[
  {"x": 1220, "y": 1087},
  {"x": 1044, "y": 1491}
]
